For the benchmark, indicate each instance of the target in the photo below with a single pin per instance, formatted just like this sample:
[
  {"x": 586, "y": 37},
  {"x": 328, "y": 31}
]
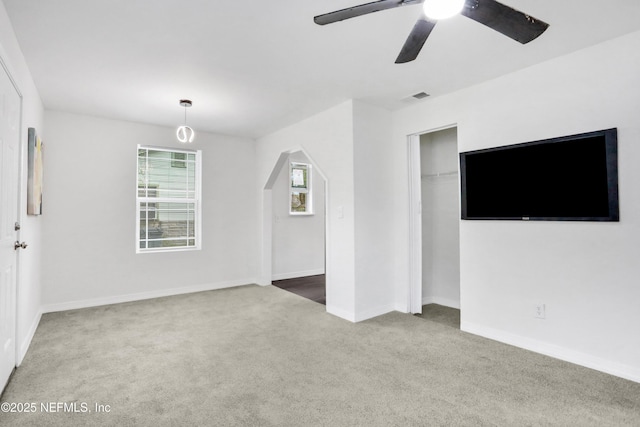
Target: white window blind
[{"x": 168, "y": 200}]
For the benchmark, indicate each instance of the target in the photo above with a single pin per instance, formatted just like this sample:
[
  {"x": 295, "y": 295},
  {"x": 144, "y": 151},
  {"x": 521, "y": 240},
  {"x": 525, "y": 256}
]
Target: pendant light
[{"x": 184, "y": 133}]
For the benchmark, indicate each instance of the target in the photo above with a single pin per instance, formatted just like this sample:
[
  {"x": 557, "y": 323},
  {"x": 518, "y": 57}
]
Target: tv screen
[{"x": 572, "y": 178}]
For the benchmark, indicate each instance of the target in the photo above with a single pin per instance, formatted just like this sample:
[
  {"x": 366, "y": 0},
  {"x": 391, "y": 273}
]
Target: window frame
[
  {"x": 196, "y": 200},
  {"x": 305, "y": 188}
]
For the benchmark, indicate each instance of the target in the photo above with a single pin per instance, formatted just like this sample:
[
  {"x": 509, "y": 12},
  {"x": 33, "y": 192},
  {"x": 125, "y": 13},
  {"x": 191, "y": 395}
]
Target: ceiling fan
[{"x": 504, "y": 19}]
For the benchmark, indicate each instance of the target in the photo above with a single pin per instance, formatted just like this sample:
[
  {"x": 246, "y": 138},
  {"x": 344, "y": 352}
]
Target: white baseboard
[
  {"x": 374, "y": 312},
  {"x": 343, "y": 314},
  {"x": 603, "y": 365},
  {"x": 296, "y": 274},
  {"x": 24, "y": 345},
  {"x": 362, "y": 315},
  {"x": 441, "y": 301},
  {"x": 264, "y": 281},
  {"x": 116, "y": 299}
]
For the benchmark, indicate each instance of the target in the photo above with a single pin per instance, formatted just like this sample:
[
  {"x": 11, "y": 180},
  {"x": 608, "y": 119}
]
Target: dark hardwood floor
[{"x": 310, "y": 287}]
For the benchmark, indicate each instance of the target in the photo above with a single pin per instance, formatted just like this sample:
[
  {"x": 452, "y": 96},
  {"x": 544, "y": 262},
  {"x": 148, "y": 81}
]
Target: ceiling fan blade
[
  {"x": 504, "y": 19},
  {"x": 363, "y": 9},
  {"x": 416, "y": 40}
]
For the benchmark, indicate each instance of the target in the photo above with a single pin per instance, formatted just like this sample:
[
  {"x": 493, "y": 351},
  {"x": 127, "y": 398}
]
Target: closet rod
[{"x": 435, "y": 175}]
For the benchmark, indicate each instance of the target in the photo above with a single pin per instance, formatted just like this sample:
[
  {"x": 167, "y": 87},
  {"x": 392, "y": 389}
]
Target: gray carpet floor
[
  {"x": 446, "y": 316},
  {"x": 261, "y": 356}
]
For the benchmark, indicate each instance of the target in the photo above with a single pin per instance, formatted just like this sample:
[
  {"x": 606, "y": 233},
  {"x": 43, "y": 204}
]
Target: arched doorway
[{"x": 294, "y": 238}]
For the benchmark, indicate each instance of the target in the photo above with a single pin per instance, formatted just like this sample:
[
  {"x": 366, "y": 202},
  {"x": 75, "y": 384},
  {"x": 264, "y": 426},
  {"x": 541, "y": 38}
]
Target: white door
[
  {"x": 9, "y": 181},
  {"x": 415, "y": 226}
]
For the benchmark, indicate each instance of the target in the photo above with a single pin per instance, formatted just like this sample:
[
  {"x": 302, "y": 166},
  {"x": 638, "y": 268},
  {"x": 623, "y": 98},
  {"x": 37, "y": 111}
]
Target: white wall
[
  {"x": 440, "y": 218},
  {"x": 374, "y": 219},
  {"x": 89, "y": 218},
  {"x": 298, "y": 240},
  {"x": 30, "y": 260},
  {"x": 327, "y": 139},
  {"x": 586, "y": 273},
  {"x": 349, "y": 143}
]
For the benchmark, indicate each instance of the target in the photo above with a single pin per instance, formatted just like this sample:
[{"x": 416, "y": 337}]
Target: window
[
  {"x": 168, "y": 200},
  {"x": 300, "y": 189}
]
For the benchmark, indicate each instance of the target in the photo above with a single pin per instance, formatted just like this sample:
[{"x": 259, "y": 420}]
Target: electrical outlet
[{"x": 539, "y": 312}]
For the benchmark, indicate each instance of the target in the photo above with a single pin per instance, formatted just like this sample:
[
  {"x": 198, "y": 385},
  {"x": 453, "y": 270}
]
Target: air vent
[{"x": 420, "y": 95}]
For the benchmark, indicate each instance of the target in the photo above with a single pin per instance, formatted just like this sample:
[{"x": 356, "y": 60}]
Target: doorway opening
[
  {"x": 309, "y": 287},
  {"x": 10, "y": 172},
  {"x": 295, "y": 227},
  {"x": 436, "y": 248}
]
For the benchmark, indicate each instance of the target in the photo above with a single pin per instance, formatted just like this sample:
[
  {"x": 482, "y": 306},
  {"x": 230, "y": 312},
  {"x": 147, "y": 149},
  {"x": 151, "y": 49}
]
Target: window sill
[{"x": 164, "y": 250}]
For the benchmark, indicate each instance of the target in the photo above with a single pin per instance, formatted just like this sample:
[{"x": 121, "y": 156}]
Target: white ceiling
[{"x": 252, "y": 67}]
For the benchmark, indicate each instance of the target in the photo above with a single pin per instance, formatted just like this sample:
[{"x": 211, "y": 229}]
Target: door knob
[{"x": 17, "y": 245}]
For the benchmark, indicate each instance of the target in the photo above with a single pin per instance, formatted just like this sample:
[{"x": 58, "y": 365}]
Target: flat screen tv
[{"x": 571, "y": 178}]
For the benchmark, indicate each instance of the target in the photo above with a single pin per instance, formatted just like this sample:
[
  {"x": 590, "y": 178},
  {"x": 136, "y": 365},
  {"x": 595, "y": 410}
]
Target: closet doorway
[{"x": 435, "y": 160}]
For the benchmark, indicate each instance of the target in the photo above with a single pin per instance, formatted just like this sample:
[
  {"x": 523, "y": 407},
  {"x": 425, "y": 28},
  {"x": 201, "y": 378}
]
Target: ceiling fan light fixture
[{"x": 442, "y": 9}]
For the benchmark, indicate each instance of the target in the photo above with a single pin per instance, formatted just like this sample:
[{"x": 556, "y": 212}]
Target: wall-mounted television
[{"x": 571, "y": 178}]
